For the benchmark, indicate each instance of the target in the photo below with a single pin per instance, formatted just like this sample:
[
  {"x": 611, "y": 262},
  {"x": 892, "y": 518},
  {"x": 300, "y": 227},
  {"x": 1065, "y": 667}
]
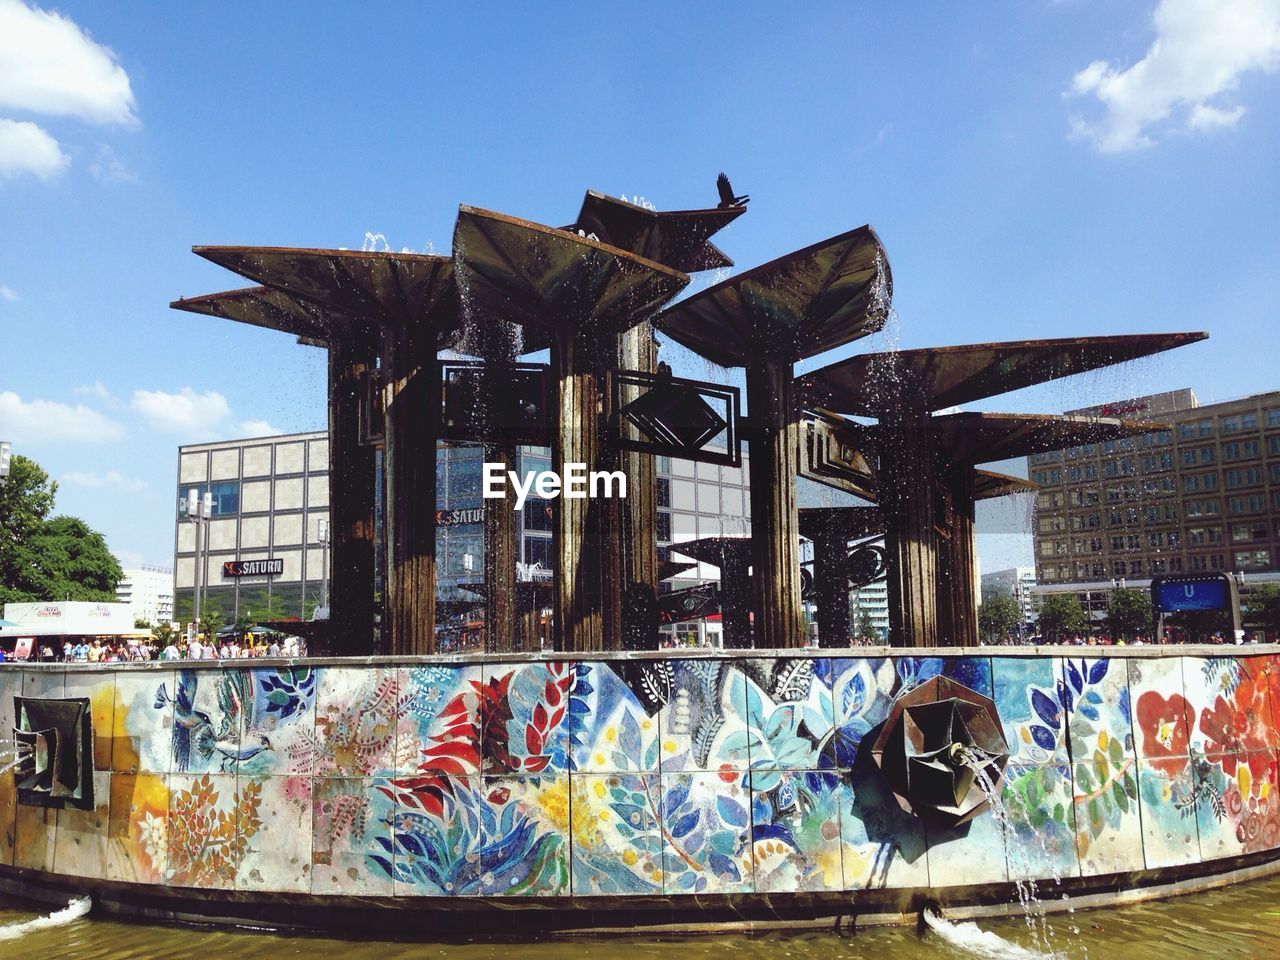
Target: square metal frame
[
  {"x": 730, "y": 396},
  {"x": 536, "y": 436}
]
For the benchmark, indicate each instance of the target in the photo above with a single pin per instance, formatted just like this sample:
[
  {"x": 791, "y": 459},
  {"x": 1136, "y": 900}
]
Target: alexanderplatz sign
[{"x": 594, "y": 294}]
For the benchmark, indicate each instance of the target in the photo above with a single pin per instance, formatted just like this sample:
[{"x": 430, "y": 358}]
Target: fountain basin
[{"x": 643, "y": 789}]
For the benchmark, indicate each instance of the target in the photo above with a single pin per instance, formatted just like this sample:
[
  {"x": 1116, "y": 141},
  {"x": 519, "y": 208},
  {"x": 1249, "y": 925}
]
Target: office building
[
  {"x": 149, "y": 592},
  {"x": 1201, "y": 496}
]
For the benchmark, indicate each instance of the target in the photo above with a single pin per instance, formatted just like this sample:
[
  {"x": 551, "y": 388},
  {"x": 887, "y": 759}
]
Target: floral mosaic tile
[
  {"x": 206, "y": 839},
  {"x": 702, "y": 728},
  {"x": 1232, "y": 808},
  {"x": 1169, "y": 793},
  {"x": 142, "y": 727},
  {"x": 525, "y": 717},
  {"x": 274, "y": 827},
  {"x": 1041, "y": 832},
  {"x": 279, "y": 722},
  {"x": 1105, "y": 798},
  {"x": 973, "y": 672},
  {"x": 439, "y": 720},
  {"x": 615, "y": 835},
  {"x": 437, "y": 838},
  {"x": 795, "y": 830},
  {"x": 351, "y": 825},
  {"x": 612, "y": 727},
  {"x": 526, "y": 836},
  {"x": 1030, "y": 696},
  {"x": 882, "y": 845},
  {"x": 1228, "y": 703},
  {"x": 862, "y": 692},
  {"x": 1161, "y": 717},
  {"x": 706, "y": 833},
  {"x": 137, "y": 828},
  {"x": 354, "y": 734}
]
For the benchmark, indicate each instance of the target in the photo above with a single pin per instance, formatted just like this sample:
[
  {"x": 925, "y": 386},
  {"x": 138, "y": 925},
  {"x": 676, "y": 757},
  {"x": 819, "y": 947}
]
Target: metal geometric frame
[
  {"x": 823, "y": 458},
  {"x": 452, "y": 371},
  {"x": 729, "y": 396},
  {"x": 58, "y": 771}
]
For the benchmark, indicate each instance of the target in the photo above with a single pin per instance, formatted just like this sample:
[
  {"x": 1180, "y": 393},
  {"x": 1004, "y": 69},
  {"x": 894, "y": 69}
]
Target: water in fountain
[
  {"x": 970, "y": 938},
  {"x": 15, "y": 752},
  {"x": 1019, "y": 864},
  {"x": 72, "y": 912}
]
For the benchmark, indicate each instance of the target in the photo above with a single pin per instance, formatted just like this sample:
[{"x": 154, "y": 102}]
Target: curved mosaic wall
[{"x": 639, "y": 776}]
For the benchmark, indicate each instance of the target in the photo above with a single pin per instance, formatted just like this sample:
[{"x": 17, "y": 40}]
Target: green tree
[
  {"x": 162, "y": 633},
  {"x": 866, "y": 629},
  {"x": 212, "y": 619},
  {"x": 999, "y": 616},
  {"x": 1262, "y": 609},
  {"x": 1062, "y": 616},
  {"x": 1129, "y": 613},
  {"x": 43, "y": 558}
]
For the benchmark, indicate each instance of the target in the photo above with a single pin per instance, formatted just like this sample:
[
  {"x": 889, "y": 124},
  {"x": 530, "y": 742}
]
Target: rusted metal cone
[{"x": 938, "y": 736}]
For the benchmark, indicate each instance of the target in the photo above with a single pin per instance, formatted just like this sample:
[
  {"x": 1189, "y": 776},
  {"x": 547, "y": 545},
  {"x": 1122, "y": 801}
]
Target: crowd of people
[{"x": 222, "y": 647}]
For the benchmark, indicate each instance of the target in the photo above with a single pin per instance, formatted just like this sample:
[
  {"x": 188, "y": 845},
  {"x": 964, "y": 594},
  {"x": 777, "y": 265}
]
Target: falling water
[
  {"x": 970, "y": 938},
  {"x": 72, "y": 912},
  {"x": 1019, "y": 863},
  {"x": 12, "y": 753}
]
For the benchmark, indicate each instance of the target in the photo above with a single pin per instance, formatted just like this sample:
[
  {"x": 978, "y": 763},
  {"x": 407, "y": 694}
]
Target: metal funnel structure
[
  {"x": 402, "y": 308},
  {"x": 765, "y": 319},
  {"x": 923, "y": 474},
  {"x": 584, "y": 294}
]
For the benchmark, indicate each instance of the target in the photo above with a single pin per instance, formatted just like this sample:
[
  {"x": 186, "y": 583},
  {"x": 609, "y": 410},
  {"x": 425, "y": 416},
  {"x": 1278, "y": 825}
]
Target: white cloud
[
  {"x": 195, "y": 414},
  {"x": 108, "y": 168},
  {"x": 1201, "y": 50},
  {"x": 49, "y": 65},
  {"x": 112, "y": 479},
  {"x": 256, "y": 428},
  {"x": 99, "y": 392},
  {"x": 8, "y": 294},
  {"x": 44, "y": 421},
  {"x": 26, "y": 148}
]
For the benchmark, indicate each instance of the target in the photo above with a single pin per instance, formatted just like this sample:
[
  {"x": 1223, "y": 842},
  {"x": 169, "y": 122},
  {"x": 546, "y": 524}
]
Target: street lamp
[{"x": 199, "y": 510}]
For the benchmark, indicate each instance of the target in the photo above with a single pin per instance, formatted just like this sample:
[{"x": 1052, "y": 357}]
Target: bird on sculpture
[{"x": 727, "y": 198}]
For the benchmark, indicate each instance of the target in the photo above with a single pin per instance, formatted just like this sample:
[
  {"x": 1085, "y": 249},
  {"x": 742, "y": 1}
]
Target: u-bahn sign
[
  {"x": 253, "y": 568},
  {"x": 1177, "y": 594}
]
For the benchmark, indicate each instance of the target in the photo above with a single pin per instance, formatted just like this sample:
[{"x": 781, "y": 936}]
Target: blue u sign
[{"x": 1208, "y": 594}]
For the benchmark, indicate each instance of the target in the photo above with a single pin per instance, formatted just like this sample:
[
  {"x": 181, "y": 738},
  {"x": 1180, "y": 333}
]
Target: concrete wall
[{"x": 620, "y": 776}]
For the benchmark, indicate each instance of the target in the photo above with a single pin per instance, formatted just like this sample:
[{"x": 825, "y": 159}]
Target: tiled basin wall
[{"x": 633, "y": 776}]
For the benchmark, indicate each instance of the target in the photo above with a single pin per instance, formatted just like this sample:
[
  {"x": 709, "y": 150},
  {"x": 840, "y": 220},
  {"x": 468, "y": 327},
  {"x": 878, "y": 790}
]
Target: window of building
[
  {"x": 537, "y": 514},
  {"x": 1135, "y": 568},
  {"x": 1175, "y": 565},
  {"x": 1203, "y": 508},
  {"x": 664, "y": 526},
  {"x": 1117, "y": 543},
  {"x": 1117, "y": 567},
  {"x": 538, "y": 550},
  {"x": 1091, "y": 471},
  {"x": 1195, "y": 482},
  {"x": 664, "y": 492},
  {"x": 1273, "y": 418},
  {"x": 1244, "y": 477},
  {"x": 1240, "y": 422},
  {"x": 1158, "y": 565},
  {"x": 1254, "y": 503},
  {"x": 1251, "y": 559},
  {"x": 226, "y": 496},
  {"x": 1133, "y": 541},
  {"x": 1198, "y": 428},
  {"x": 1073, "y": 474},
  {"x": 1248, "y": 531}
]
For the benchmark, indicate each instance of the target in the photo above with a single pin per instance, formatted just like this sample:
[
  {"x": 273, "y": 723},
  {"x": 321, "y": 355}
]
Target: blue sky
[{"x": 1035, "y": 169}]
